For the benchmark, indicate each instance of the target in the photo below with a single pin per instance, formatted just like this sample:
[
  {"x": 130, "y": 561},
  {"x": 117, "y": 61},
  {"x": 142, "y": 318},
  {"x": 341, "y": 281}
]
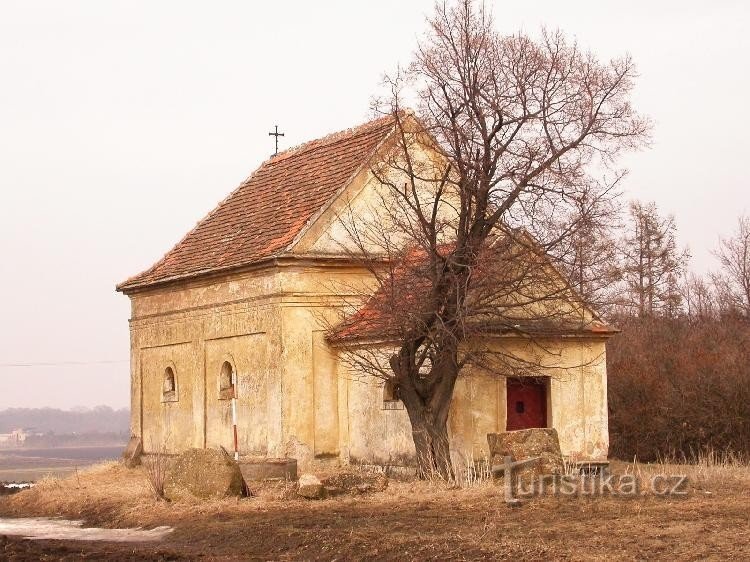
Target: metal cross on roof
[{"x": 276, "y": 134}]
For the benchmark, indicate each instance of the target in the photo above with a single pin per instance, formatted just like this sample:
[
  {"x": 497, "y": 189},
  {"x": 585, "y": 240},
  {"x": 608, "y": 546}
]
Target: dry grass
[
  {"x": 103, "y": 493},
  {"x": 109, "y": 494},
  {"x": 712, "y": 470},
  {"x": 421, "y": 519}
]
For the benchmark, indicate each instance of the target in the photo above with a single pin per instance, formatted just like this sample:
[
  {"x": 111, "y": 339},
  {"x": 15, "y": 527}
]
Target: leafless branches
[
  {"x": 733, "y": 282},
  {"x": 652, "y": 264},
  {"x": 475, "y": 197},
  {"x": 156, "y": 465}
]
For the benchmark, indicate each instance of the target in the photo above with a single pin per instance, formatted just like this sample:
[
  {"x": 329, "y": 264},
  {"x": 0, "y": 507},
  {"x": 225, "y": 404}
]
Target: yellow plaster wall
[
  {"x": 172, "y": 426},
  {"x": 577, "y": 408},
  {"x": 297, "y": 398},
  {"x": 376, "y": 435},
  {"x": 367, "y": 206},
  {"x": 325, "y": 398},
  {"x": 196, "y": 328},
  {"x": 249, "y": 355},
  {"x": 288, "y": 385}
]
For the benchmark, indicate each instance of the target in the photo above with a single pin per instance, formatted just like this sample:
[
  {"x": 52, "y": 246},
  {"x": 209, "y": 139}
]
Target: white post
[{"x": 234, "y": 414}]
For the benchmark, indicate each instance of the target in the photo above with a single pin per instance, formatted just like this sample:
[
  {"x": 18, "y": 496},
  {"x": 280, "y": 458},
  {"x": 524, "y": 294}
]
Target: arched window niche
[
  {"x": 226, "y": 380},
  {"x": 169, "y": 385},
  {"x": 391, "y": 398}
]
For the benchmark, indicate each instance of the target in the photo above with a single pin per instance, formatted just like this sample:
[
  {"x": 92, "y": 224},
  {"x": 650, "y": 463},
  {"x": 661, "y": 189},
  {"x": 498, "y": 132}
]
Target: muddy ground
[{"x": 409, "y": 521}]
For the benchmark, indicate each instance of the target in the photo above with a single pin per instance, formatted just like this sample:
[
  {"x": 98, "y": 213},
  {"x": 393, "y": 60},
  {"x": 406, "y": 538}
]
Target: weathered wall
[
  {"x": 195, "y": 328},
  {"x": 313, "y": 299},
  {"x": 368, "y": 206},
  {"x": 270, "y": 326},
  {"x": 579, "y": 402},
  {"x": 376, "y": 435},
  {"x": 172, "y": 425},
  {"x": 577, "y": 408},
  {"x": 249, "y": 355},
  {"x": 295, "y": 398}
]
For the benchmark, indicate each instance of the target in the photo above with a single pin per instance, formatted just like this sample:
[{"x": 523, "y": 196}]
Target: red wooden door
[{"x": 527, "y": 403}]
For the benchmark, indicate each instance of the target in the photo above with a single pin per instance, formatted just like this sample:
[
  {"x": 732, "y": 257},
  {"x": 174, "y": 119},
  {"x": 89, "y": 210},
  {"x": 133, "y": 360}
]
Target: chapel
[{"x": 234, "y": 315}]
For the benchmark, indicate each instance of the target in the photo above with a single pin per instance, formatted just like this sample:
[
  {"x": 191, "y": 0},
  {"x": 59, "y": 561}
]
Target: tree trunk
[
  {"x": 428, "y": 406},
  {"x": 432, "y": 445}
]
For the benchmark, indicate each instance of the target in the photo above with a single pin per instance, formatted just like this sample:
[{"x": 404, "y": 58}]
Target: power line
[{"x": 63, "y": 363}]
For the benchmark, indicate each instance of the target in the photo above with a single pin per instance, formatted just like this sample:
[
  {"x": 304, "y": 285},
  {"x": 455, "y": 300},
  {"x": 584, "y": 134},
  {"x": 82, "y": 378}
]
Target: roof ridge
[
  {"x": 327, "y": 205},
  {"x": 330, "y": 138}
]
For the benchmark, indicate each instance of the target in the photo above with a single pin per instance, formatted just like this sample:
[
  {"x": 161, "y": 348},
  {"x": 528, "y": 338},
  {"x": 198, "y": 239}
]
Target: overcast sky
[{"x": 124, "y": 123}]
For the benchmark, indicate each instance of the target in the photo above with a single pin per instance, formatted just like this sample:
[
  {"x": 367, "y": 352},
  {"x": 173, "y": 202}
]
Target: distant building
[{"x": 15, "y": 438}]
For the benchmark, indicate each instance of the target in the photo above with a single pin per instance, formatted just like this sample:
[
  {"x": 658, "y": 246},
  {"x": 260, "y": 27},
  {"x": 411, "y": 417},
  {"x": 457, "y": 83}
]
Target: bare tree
[
  {"x": 514, "y": 128},
  {"x": 699, "y": 297},
  {"x": 652, "y": 262},
  {"x": 589, "y": 253},
  {"x": 734, "y": 280}
]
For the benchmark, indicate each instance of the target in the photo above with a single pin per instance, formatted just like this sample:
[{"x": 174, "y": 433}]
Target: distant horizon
[{"x": 74, "y": 409}]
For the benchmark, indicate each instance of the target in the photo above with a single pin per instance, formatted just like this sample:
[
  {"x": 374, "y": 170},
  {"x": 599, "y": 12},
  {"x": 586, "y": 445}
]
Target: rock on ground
[
  {"x": 203, "y": 473},
  {"x": 355, "y": 482},
  {"x": 526, "y": 444},
  {"x": 310, "y": 487},
  {"x": 131, "y": 456}
]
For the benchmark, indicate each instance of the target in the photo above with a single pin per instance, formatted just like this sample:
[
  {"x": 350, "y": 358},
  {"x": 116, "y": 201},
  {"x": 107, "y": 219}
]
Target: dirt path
[{"x": 449, "y": 526}]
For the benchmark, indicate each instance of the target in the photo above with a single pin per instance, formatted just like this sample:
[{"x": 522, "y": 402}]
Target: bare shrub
[
  {"x": 679, "y": 388},
  {"x": 155, "y": 467}
]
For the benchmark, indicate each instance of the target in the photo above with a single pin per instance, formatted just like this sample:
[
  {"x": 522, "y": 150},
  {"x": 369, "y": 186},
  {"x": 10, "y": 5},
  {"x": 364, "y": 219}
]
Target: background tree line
[
  {"x": 679, "y": 373},
  {"x": 100, "y": 419}
]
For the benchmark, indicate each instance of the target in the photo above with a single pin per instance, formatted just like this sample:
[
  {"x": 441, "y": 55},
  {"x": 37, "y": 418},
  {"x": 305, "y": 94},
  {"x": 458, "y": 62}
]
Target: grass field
[{"x": 411, "y": 520}]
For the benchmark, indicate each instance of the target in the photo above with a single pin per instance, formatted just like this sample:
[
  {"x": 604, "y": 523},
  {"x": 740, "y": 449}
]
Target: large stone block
[
  {"x": 355, "y": 482},
  {"x": 131, "y": 456},
  {"x": 203, "y": 473},
  {"x": 527, "y": 444},
  {"x": 310, "y": 487},
  {"x": 268, "y": 469}
]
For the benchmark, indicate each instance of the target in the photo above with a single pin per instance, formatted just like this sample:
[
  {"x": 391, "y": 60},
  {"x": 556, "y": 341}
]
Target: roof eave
[
  {"x": 277, "y": 260},
  {"x": 599, "y": 334}
]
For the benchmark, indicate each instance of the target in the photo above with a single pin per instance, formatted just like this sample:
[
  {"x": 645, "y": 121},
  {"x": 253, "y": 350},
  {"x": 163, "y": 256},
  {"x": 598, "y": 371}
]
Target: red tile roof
[
  {"x": 262, "y": 217},
  {"x": 399, "y": 305}
]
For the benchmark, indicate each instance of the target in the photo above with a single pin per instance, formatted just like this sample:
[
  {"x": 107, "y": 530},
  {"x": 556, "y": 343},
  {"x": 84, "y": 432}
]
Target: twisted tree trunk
[
  {"x": 427, "y": 400},
  {"x": 431, "y": 443}
]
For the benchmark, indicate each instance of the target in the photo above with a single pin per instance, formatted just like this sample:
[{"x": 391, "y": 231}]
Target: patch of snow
[
  {"x": 38, "y": 528},
  {"x": 21, "y": 486}
]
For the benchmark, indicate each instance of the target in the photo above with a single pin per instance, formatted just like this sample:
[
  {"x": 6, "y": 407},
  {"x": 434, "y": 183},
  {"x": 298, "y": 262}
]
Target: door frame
[{"x": 544, "y": 380}]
